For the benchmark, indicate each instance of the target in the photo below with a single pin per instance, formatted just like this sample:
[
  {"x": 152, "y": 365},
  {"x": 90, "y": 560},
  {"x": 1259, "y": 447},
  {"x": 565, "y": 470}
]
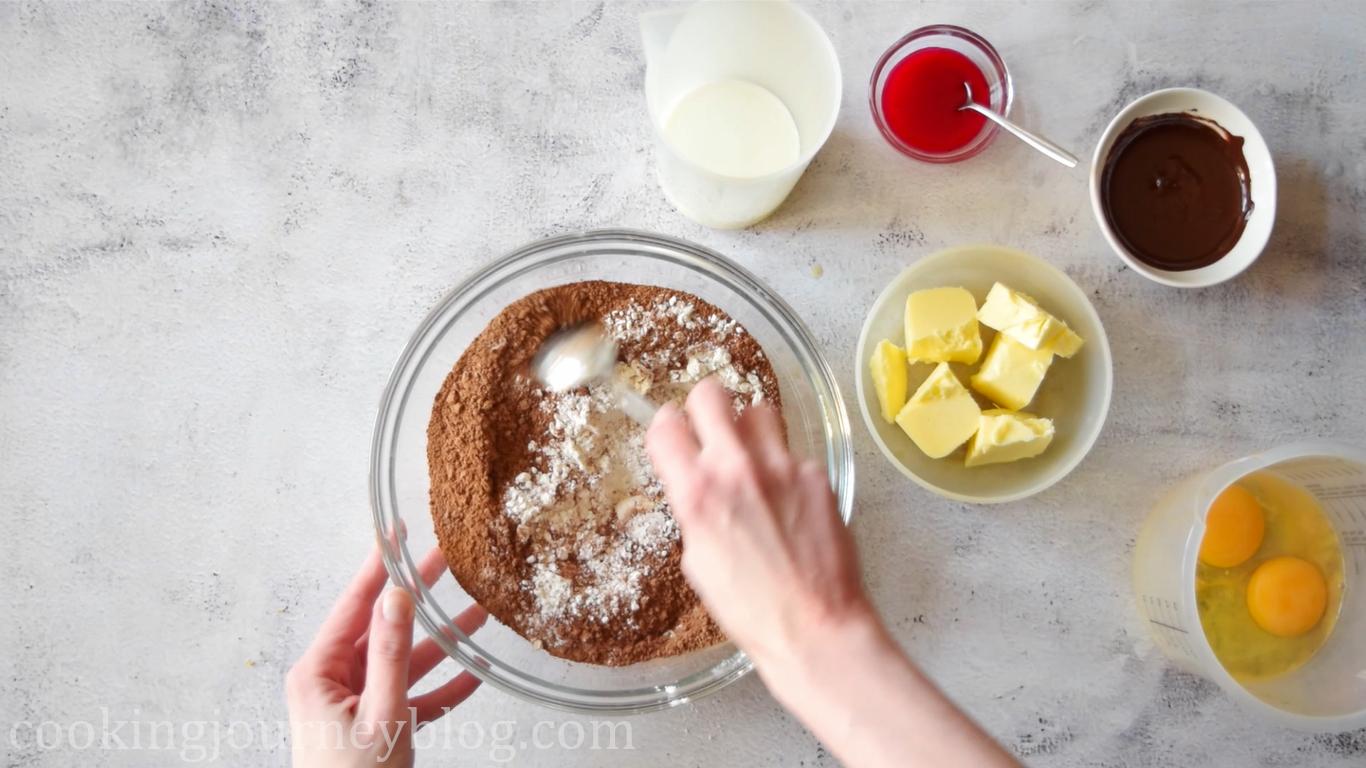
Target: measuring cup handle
[{"x": 656, "y": 27}]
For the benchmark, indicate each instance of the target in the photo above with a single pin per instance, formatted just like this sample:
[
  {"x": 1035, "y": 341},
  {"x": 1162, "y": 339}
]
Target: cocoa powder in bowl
[{"x": 545, "y": 505}]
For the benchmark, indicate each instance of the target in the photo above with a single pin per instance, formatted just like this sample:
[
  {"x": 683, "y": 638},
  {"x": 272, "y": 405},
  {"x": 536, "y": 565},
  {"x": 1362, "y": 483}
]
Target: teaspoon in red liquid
[{"x": 1032, "y": 139}]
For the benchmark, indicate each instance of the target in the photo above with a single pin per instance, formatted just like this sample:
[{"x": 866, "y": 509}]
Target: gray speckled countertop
[{"x": 219, "y": 223}]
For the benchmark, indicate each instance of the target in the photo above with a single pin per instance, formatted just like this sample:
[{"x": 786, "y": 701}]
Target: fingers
[
  {"x": 386, "y": 663},
  {"x": 432, "y": 705},
  {"x": 428, "y": 654},
  {"x": 425, "y": 657},
  {"x": 350, "y": 615},
  {"x": 670, "y": 442},
  {"x": 762, "y": 434},
  {"x": 711, "y": 412},
  {"x": 429, "y": 569},
  {"x": 817, "y": 498},
  {"x": 815, "y": 482},
  {"x": 432, "y": 566}
]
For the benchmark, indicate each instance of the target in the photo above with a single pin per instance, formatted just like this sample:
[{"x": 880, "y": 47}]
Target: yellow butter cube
[
  {"x": 1021, "y": 318},
  {"x": 941, "y": 415},
  {"x": 941, "y": 326},
  {"x": 1011, "y": 372},
  {"x": 1004, "y": 436},
  {"x": 889, "y": 373}
]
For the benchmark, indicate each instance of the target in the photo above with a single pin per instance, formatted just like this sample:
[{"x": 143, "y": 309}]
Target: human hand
[
  {"x": 763, "y": 545},
  {"x": 771, "y": 560},
  {"x": 348, "y": 695}
]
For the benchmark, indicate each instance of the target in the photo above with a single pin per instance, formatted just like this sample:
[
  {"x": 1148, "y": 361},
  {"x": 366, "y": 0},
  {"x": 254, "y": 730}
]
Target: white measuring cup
[
  {"x": 1327, "y": 693},
  {"x": 769, "y": 43}
]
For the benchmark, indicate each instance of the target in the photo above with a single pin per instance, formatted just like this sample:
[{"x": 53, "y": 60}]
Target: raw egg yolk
[
  {"x": 1287, "y": 596},
  {"x": 1234, "y": 527}
]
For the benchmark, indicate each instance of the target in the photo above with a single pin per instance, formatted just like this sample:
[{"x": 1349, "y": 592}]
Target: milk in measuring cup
[
  {"x": 733, "y": 128},
  {"x": 741, "y": 95}
]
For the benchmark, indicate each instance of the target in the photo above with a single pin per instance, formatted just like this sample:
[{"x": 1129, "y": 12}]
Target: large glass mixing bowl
[{"x": 818, "y": 427}]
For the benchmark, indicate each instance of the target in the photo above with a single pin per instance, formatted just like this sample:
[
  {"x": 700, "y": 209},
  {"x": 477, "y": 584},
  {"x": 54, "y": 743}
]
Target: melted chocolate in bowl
[{"x": 1176, "y": 190}]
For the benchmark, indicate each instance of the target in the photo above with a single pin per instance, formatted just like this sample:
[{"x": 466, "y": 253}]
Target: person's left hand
[{"x": 348, "y": 695}]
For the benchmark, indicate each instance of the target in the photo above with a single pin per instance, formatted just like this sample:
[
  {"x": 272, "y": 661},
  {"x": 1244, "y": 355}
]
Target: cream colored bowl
[{"x": 1075, "y": 395}]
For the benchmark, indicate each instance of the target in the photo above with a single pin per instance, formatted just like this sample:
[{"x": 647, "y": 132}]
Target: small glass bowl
[
  {"x": 966, "y": 42},
  {"x": 817, "y": 422}
]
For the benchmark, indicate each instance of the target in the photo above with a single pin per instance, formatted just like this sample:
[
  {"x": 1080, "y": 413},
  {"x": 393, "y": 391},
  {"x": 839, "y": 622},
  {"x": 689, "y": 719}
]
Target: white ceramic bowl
[
  {"x": 1259, "y": 165},
  {"x": 1075, "y": 395}
]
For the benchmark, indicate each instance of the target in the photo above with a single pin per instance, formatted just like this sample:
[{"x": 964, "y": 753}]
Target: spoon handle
[
  {"x": 1032, "y": 139},
  {"x": 633, "y": 403}
]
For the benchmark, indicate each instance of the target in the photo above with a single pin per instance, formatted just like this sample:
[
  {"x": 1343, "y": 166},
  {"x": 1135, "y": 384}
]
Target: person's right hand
[
  {"x": 763, "y": 545},
  {"x": 771, "y": 560}
]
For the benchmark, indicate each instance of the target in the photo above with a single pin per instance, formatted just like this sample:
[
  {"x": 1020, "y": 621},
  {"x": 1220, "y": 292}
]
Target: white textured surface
[{"x": 220, "y": 222}]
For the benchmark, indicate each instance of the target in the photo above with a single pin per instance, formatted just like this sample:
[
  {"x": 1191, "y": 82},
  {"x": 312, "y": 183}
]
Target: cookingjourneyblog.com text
[{"x": 209, "y": 740}]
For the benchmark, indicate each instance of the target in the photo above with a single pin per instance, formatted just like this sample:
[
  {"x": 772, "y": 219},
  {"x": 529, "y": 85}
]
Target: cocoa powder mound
[{"x": 543, "y": 504}]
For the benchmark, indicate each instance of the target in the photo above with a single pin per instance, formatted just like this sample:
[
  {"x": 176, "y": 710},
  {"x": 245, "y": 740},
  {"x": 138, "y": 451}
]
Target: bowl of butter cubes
[{"x": 984, "y": 374}]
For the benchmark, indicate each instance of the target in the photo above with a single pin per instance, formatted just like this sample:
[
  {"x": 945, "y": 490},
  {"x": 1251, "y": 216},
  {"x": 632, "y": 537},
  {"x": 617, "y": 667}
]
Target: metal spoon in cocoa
[{"x": 584, "y": 354}]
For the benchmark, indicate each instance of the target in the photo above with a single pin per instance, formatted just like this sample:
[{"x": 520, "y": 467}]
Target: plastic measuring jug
[
  {"x": 771, "y": 44},
  {"x": 1327, "y": 693}
]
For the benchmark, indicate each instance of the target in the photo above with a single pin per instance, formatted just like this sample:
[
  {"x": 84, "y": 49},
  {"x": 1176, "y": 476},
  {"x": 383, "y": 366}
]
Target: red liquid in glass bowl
[
  {"x": 921, "y": 97},
  {"x": 917, "y": 87}
]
